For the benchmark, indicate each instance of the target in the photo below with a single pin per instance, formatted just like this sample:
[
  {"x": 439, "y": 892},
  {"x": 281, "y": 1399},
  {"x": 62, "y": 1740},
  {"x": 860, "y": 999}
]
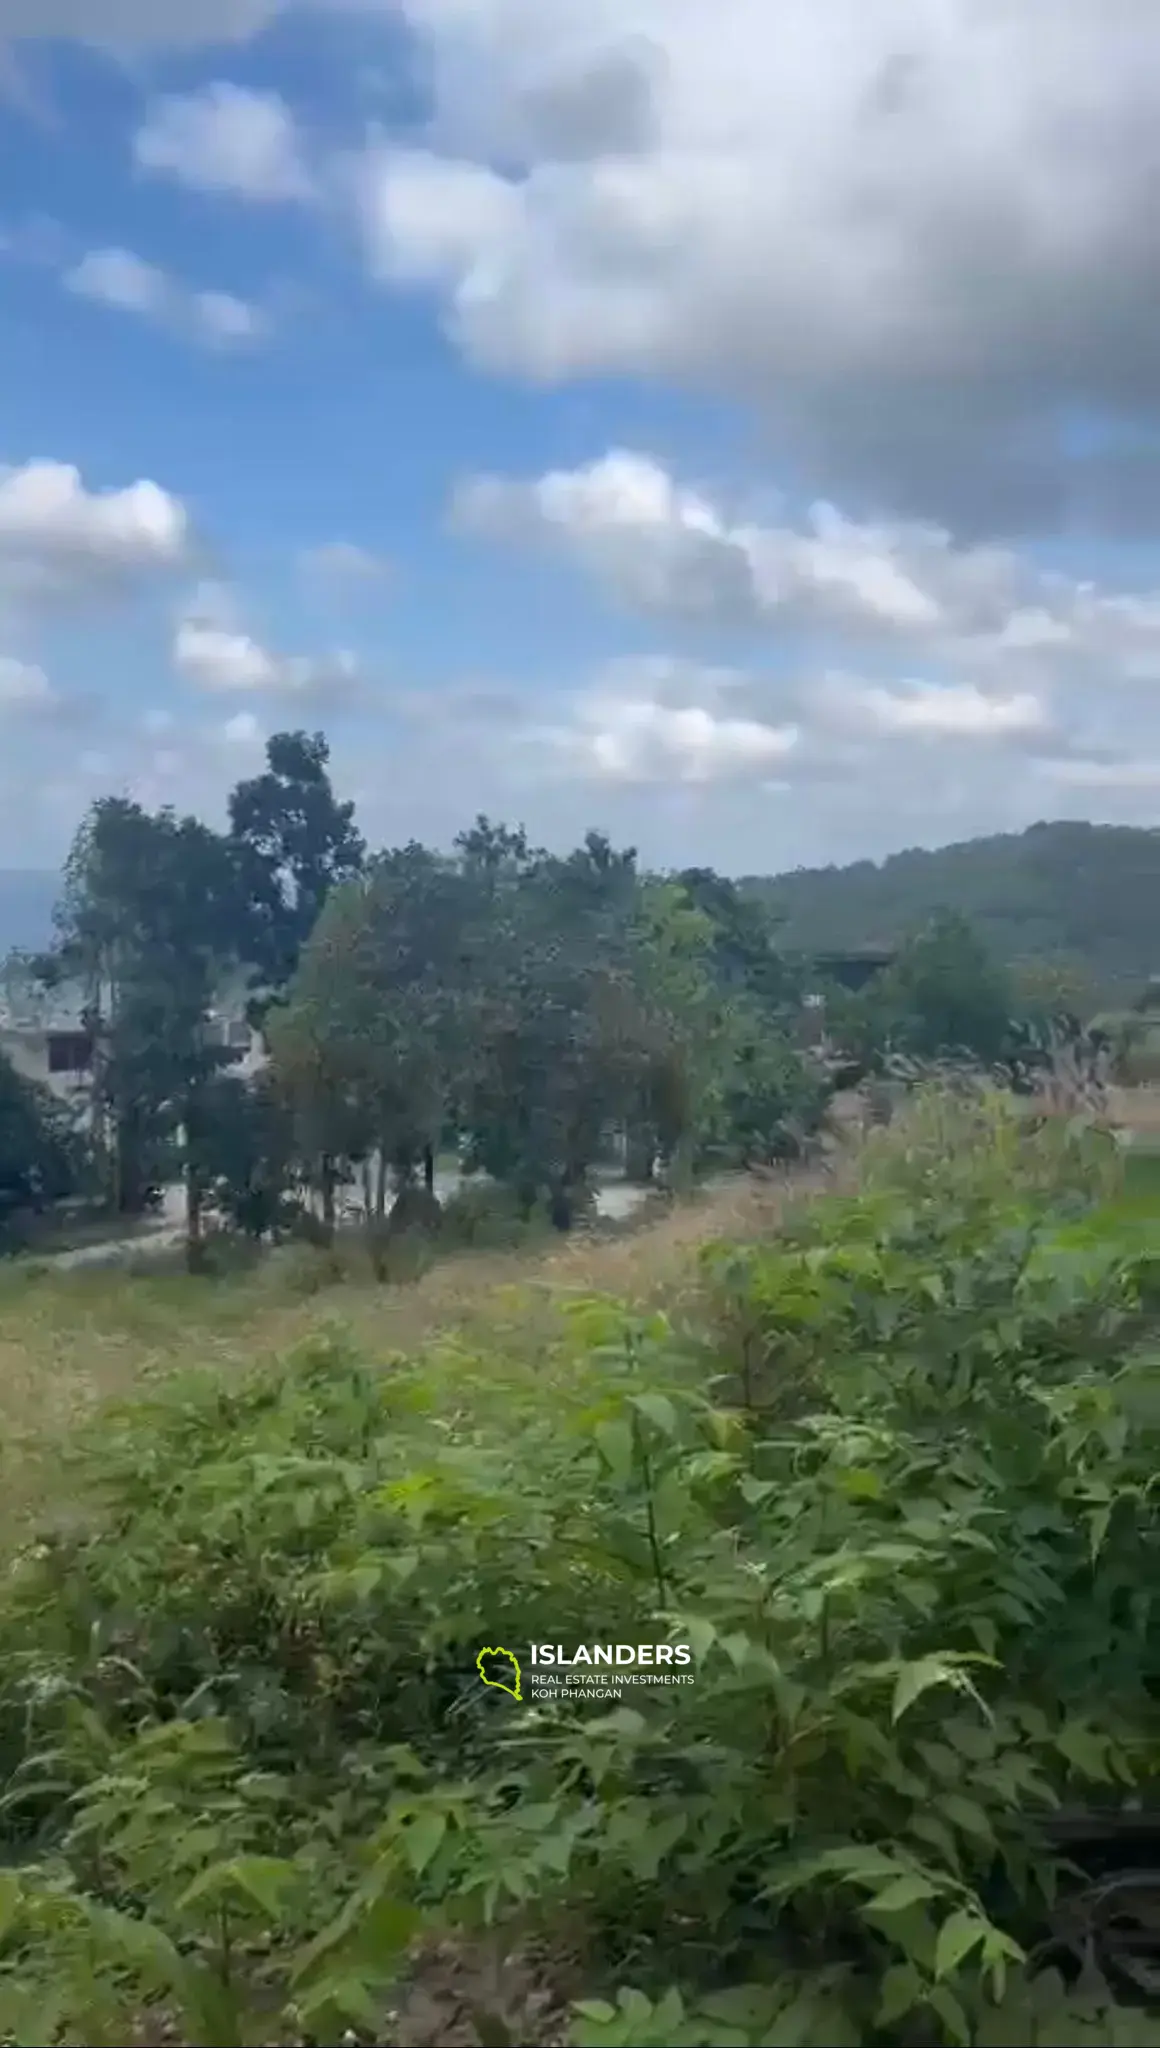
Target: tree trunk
[
  {"x": 194, "y": 1241},
  {"x": 382, "y": 1181},
  {"x": 429, "y": 1169},
  {"x": 640, "y": 1157},
  {"x": 328, "y": 1179}
]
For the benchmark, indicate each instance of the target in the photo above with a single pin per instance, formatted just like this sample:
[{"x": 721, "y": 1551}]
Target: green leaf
[
  {"x": 422, "y": 1839},
  {"x": 901, "y": 1893},
  {"x": 957, "y": 1936},
  {"x": 615, "y": 1444},
  {"x": 967, "y": 1815},
  {"x": 902, "y": 1989},
  {"x": 265, "y": 1880},
  {"x": 916, "y": 1679},
  {"x": 659, "y": 1410}
]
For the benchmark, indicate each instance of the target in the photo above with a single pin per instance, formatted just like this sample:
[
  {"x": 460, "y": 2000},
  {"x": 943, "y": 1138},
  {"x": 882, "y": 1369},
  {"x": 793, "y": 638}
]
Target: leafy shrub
[{"x": 248, "y": 1758}]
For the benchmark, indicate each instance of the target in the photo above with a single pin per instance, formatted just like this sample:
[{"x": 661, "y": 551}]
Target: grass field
[{"x": 71, "y": 1342}]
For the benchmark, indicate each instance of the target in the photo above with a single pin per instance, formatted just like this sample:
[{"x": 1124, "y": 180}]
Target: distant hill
[
  {"x": 27, "y": 899},
  {"x": 1088, "y": 894}
]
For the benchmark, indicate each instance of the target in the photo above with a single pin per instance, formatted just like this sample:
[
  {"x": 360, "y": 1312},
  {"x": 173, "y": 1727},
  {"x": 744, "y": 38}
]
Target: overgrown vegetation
[
  {"x": 532, "y": 1014},
  {"x": 893, "y": 1483},
  {"x": 534, "y": 1017}
]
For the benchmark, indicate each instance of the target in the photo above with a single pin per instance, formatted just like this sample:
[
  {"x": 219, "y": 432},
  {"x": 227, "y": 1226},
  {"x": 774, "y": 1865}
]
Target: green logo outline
[{"x": 498, "y": 1683}]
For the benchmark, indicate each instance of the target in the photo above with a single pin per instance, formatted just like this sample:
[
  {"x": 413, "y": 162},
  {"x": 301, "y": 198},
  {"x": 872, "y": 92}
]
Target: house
[
  {"x": 855, "y": 970},
  {"x": 43, "y": 1033}
]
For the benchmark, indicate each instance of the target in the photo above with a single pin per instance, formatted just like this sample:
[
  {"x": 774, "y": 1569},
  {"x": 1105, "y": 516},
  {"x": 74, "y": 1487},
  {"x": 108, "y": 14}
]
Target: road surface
[{"x": 615, "y": 1201}]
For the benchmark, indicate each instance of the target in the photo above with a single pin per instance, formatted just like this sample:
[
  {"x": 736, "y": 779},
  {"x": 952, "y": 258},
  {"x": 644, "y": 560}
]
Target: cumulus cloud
[
  {"x": 918, "y": 235},
  {"x": 931, "y": 711},
  {"x": 59, "y": 540},
  {"x": 213, "y": 650},
  {"x": 675, "y": 551},
  {"x": 626, "y": 739},
  {"x": 125, "y": 282},
  {"x": 226, "y": 139},
  {"x": 668, "y": 547}
]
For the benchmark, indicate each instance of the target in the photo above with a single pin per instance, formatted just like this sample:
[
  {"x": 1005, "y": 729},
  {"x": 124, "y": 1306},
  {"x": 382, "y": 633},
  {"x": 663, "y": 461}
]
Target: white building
[{"x": 43, "y": 1034}]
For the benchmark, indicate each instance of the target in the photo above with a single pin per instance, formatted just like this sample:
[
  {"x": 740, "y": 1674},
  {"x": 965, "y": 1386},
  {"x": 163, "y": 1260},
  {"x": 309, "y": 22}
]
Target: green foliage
[
  {"x": 292, "y": 842},
  {"x": 944, "y": 995},
  {"x": 41, "y": 1158},
  {"x": 147, "y": 921},
  {"x": 898, "y": 1497},
  {"x": 1076, "y": 894}
]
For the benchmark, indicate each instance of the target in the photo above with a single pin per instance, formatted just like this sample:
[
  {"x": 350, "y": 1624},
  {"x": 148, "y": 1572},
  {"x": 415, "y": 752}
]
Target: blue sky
[{"x": 626, "y": 415}]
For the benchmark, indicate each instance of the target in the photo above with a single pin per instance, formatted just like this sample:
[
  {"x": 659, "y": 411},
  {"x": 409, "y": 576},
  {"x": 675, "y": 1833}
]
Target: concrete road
[{"x": 615, "y": 1201}]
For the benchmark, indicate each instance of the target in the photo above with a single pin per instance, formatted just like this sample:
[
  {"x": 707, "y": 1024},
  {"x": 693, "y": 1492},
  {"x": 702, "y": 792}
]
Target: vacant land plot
[{"x": 73, "y": 1341}]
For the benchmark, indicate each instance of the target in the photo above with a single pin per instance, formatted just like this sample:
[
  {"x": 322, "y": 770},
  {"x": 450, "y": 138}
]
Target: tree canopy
[{"x": 1086, "y": 896}]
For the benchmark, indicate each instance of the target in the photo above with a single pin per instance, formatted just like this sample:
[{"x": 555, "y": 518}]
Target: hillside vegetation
[
  {"x": 1087, "y": 893},
  {"x": 889, "y": 1474}
]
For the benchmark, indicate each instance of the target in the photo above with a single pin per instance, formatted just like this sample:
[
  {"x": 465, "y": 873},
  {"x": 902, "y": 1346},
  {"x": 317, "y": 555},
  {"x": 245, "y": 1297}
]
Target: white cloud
[
  {"x": 24, "y": 686},
  {"x": 919, "y": 235},
  {"x": 226, "y": 139},
  {"x": 118, "y": 278},
  {"x": 1002, "y": 625},
  {"x": 213, "y": 650},
  {"x": 242, "y": 729},
  {"x": 125, "y": 282},
  {"x": 932, "y": 711},
  {"x": 227, "y": 321},
  {"x": 343, "y": 562},
  {"x": 60, "y": 540},
  {"x": 657, "y": 722},
  {"x": 217, "y": 659},
  {"x": 1102, "y": 775},
  {"x": 670, "y": 548}
]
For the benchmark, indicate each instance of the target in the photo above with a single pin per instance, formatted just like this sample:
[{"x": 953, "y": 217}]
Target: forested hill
[{"x": 1089, "y": 893}]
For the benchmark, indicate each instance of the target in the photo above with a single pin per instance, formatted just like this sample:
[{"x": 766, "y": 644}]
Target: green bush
[{"x": 910, "y": 1535}]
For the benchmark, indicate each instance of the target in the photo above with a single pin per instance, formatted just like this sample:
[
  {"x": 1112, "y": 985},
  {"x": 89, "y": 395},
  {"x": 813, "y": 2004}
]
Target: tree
[
  {"x": 40, "y": 1159},
  {"x": 293, "y": 842},
  {"x": 148, "y": 922},
  {"x": 943, "y": 995},
  {"x": 370, "y": 1040},
  {"x": 244, "y": 1142},
  {"x": 745, "y": 958}
]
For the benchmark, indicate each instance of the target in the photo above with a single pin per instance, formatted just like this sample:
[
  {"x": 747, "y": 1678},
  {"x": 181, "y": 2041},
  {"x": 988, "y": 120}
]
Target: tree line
[
  {"x": 520, "y": 1009},
  {"x": 1068, "y": 891},
  {"x": 509, "y": 1004}
]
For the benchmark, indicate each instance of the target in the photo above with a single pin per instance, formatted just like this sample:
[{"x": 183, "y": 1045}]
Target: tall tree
[
  {"x": 370, "y": 1040},
  {"x": 148, "y": 922},
  {"x": 743, "y": 942},
  {"x": 294, "y": 842}
]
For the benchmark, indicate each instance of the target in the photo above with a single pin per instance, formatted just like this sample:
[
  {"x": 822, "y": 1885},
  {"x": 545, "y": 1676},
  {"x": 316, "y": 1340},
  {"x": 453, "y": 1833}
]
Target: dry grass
[{"x": 72, "y": 1341}]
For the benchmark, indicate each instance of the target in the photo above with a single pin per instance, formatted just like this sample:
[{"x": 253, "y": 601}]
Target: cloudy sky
[{"x": 735, "y": 425}]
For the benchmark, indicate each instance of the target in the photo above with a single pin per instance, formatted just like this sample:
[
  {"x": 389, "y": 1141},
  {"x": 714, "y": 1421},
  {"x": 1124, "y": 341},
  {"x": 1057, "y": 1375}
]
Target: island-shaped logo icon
[{"x": 512, "y": 1668}]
